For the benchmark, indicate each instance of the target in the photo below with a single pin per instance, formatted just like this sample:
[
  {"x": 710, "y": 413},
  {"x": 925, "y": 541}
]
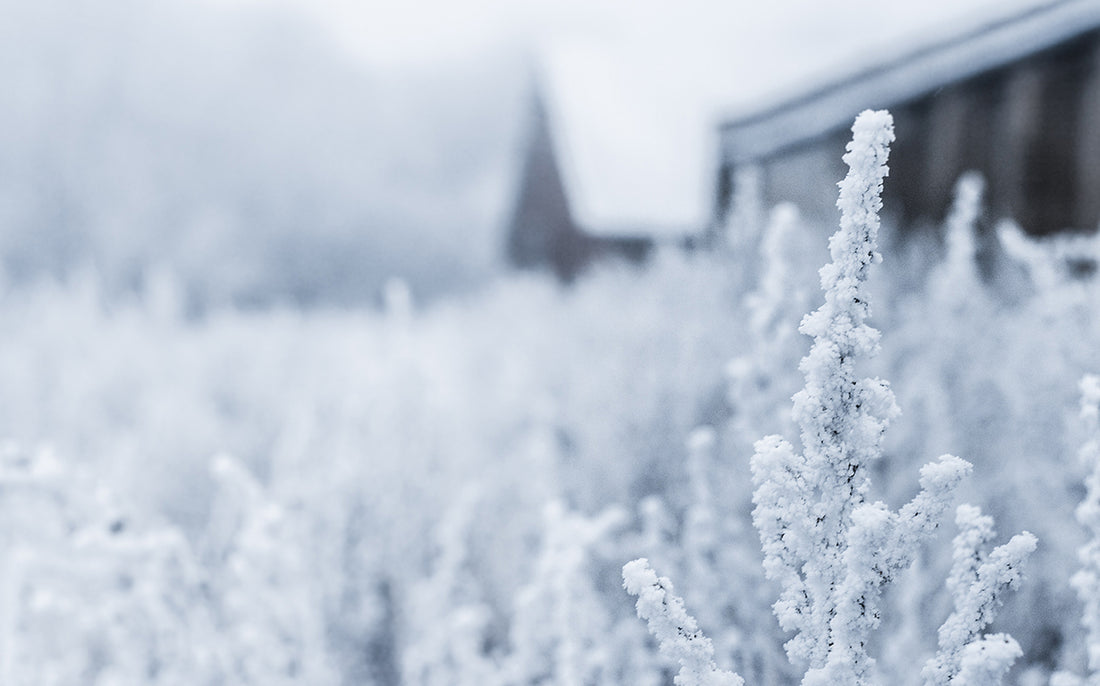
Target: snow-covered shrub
[
  {"x": 266, "y": 599},
  {"x": 939, "y": 353},
  {"x": 705, "y": 541},
  {"x": 658, "y": 535},
  {"x": 831, "y": 550},
  {"x": 978, "y": 582},
  {"x": 446, "y": 622},
  {"x": 561, "y": 624},
  {"x": 93, "y": 594},
  {"x": 987, "y": 372},
  {"x": 1047, "y": 340},
  {"x": 344, "y": 528},
  {"x": 676, "y": 631},
  {"x": 767, "y": 369},
  {"x": 817, "y": 546},
  {"x": 739, "y": 234},
  {"x": 720, "y": 556},
  {"x": 1087, "y": 580}
]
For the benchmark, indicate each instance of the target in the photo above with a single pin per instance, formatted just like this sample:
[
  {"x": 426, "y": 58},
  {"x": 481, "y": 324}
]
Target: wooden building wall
[{"x": 1032, "y": 128}]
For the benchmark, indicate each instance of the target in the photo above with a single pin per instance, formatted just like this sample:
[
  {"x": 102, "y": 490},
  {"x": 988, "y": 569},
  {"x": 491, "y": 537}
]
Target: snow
[
  {"x": 444, "y": 493},
  {"x": 675, "y": 630},
  {"x": 382, "y": 524}
]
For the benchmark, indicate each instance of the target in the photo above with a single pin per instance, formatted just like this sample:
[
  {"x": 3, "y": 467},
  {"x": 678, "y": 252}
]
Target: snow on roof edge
[
  {"x": 633, "y": 163},
  {"x": 811, "y": 113}
]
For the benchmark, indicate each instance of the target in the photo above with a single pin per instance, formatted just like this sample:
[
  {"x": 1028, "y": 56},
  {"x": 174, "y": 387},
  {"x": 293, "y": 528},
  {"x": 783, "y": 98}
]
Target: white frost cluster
[
  {"x": 766, "y": 302},
  {"x": 446, "y": 618},
  {"x": 89, "y": 593},
  {"x": 1050, "y": 261},
  {"x": 746, "y": 212},
  {"x": 264, "y": 585},
  {"x": 986, "y": 661},
  {"x": 956, "y": 279},
  {"x": 676, "y": 631},
  {"x": 768, "y": 368},
  {"x": 1034, "y": 256},
  {"x": 831, "y": 550},
  {"x": 560, "y": 624},
  {"x": 1087, "y": 580},
  {"x": 978, "y": 582}
]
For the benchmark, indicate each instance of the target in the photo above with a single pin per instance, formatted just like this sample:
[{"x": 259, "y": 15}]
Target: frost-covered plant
[
  {"x": 658, "y": 535},
  {"x": 1062, "y": 271},
  {"x": 1087, "y": 580},
  {"x": 676, "y": 631},
  {"x": 767, "y": 370},
  {"x": 560, "y": 622},
  {"x": 268, "y": 607},
  {"x": 777, "y": 294},
  {"x": 958, "y": 274},
  {"x": 703, "y": 540},
  {"x": 746, "y": 213},
  {"x": 1043, "y": 343},
  {"x": 978, "y": 582},
  {"x": 1035, "y": 257},
  {"x": 943, "y": 346},
  {"x": 138, "y": 596},
  {"x": 984, "y": 662},
  {"x": 831, "y": 551},
  {"x": 446, "y": 620},
  {"x": 1050, "y": 262},
  {"x": 90, "y": 593},
  {"x": 720, "y": 558}
]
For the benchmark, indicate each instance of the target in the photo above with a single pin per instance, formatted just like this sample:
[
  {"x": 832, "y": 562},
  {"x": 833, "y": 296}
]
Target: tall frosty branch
[
  {"x": 961, "y": 223},
  {"x": 830, "y": 550},
  {"x": 1087, "y": 581},
  {"x": 559, "y": 623},
  {"x": 676, "y": 632},
  {"x": 978, "y": 582},
  {"x": 842, "y": 419},
  {"x": 958, "y": 273}
]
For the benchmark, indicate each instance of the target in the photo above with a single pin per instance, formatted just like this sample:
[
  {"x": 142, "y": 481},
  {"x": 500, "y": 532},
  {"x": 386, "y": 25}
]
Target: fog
[
  {"x": 244, "y": 152},
  {"x": 294, "y": 152}
]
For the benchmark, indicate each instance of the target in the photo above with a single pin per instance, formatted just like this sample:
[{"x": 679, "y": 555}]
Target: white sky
[
  {"x": 637, "y": 86},
  {"x": 395, "y": 32}
]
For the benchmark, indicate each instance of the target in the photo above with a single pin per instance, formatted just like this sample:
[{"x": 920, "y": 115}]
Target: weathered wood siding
[{"x": 1032, "y": 128}]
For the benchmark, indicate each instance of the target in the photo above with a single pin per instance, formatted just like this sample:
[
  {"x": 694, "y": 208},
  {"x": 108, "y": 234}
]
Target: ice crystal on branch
[
  {"x": 958, "y": 272},
  {"x": 676, "y": 631},
  {"x": 1087, "y": 580},
  {"x": 831, "y": 551},
  {"x": 560, "y": 624},
  {"x": 965, "y": 212},
  {"x": 978, "y": 582},
  {"x": 986, "y": 661}
]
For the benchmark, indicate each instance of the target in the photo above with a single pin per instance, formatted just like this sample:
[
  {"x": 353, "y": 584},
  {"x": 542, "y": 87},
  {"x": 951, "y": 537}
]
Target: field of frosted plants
[{"x": 448, "y": 494}]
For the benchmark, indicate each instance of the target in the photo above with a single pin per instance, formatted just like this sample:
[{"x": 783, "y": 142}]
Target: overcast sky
[
  {"x": 402, "y": 32},
  {"x": 637, "y": 87}
]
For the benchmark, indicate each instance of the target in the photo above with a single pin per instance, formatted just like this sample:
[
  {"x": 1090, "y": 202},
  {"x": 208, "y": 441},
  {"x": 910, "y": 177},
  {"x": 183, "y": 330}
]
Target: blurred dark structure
[
  {"x": 542, "y": 233},
  {"x": 1018, "y": 100}
]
